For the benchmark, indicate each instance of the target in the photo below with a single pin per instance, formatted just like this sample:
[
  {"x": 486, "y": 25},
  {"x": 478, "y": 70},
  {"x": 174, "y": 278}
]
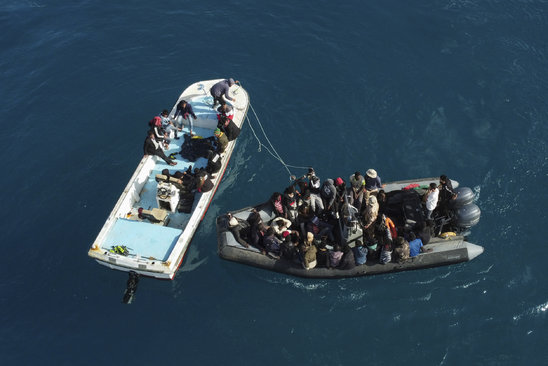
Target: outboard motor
[
  {"x": 131, "y": 288},
  {"x": 465, "y": 196},
  {"x": 467, "y": 215}
]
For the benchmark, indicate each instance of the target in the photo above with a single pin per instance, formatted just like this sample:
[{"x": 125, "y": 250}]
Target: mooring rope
[{"x": 272, "y": 151}]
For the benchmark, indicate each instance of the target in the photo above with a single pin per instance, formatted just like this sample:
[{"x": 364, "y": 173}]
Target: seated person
[
  {"x": 319, "y": 228},
  {"x": 168, "y": 125},
  {"x": 214, "y": 162},
  {"x": 335, "y": 256},
  {"x": 280, "y": 225},
  {"x": 229, "y": 128},
  {"x": 322, "y": 254},
  {"x": 225, "y": 110},
  {"x": 272, "y": 243},
  {"x": 153, "y": 147},
  {"x": 373, "y": 249},
  {"x": 235, "y": 226},
  {"x": 360, "y": 253},
  {"x": 348, "y": 261},
  {"x": 372, "y": 181},
  {"x": 160, "y": 134},
  {"x": 221, "y": 140},
  {"x": 289, "y": 245},
  {"x": 386, "y": 253},
  {"x": 401, "y": 250},
  {"x": 415, "y": 245}
]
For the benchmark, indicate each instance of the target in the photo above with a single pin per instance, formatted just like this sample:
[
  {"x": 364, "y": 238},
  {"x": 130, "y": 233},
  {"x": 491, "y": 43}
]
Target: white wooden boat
[{"x": 157, "y": 249}]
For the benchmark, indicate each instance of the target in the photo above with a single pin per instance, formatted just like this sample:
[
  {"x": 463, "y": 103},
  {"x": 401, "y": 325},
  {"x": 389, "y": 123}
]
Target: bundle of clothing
[{"x": 194, "y": 148}]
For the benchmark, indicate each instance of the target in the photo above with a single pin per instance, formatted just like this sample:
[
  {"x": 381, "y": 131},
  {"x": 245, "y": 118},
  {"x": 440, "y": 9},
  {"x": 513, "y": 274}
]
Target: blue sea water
[{"x": 412, "y": 89}]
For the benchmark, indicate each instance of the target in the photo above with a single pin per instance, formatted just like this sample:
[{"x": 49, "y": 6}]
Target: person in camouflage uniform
[{"x": 402, "y": 250}]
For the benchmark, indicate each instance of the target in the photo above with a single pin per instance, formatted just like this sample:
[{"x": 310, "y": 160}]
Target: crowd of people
[
  {"x": 163, "y": 127},
  {"x": 309, "y": 216}
]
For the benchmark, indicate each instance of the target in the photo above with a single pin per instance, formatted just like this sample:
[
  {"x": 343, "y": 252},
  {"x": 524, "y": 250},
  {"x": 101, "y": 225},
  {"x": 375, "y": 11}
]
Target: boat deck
[{"x": 156, "y": 240}]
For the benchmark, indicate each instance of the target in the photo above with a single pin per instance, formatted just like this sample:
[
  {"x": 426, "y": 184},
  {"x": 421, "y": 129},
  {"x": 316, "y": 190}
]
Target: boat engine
[
  {"x": 467, "y": 215},
  {"x": 465, "y": 196}
]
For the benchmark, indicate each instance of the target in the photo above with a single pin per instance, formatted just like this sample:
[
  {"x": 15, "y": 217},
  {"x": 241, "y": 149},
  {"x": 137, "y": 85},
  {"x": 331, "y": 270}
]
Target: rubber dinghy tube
[{"x": 131, "y": 288}]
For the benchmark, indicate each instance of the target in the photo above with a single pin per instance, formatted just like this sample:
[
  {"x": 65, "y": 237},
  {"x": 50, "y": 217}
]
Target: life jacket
[{"x": 390, "y": 225}]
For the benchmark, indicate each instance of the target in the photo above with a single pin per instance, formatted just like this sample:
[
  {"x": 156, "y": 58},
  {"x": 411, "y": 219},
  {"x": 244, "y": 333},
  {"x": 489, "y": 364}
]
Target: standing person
[
  {"x": 221, "y": 89},
  {"x": 446, "y": 190},
  {"x": 314, "y": 185},
  {"x": 328, "y": 193},
  {"x": 357, "y": 183},
  {"x": 153, "y": 147},
  {"x": 431, "y": 199},
  {"x": 182, "y": 112},
  {"x": 372, "y": 181}
]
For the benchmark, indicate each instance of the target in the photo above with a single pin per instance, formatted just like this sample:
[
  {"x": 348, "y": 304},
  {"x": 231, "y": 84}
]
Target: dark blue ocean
[{"x": 410, "y": 88}]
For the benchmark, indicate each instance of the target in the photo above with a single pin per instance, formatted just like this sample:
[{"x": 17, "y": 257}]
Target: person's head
[
  {"x": 280, "y": 223},
  {"x": 157, "y": 121},
  {"x": 269, "y": 231},
  {"x": 359, "y": 243},
  {"x": 151, "y": 135},
  {"x": 372, "y": 201},
  {"x": 217, "y": 132},
  {"x": 339, "y": 182},
  {"x": 336, "y": 248},
  {"x": 433, "y": 186},
  {"x": 371, "y": 173},
  {"x": 311, "y": 172},
  {"x": 165, "y": 113},
  {"x": 443, "y": 179},
  {"x": 230, "y": 82},
  {"x": 290, "y": 191},
  {"x": 412, "y": 236},
  {"x": 357, "y": 175},
  {"x": 165, "y": 172},
  {"x": 309, "y": 237},
  {"x": 182, "y": 103}
]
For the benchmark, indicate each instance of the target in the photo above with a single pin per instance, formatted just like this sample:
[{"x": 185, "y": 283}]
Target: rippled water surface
[{"x": 412, "y": 89}]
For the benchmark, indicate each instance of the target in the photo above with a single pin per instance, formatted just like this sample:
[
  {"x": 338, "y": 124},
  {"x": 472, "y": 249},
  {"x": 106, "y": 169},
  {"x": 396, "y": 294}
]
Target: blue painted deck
[
  {"x": 151, "y": 240},
  {"x": 143, "y": 238}
]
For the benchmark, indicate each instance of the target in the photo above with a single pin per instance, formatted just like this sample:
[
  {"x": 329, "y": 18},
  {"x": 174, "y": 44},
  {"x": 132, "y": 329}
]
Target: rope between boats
[{"x": 274, "y": 153}]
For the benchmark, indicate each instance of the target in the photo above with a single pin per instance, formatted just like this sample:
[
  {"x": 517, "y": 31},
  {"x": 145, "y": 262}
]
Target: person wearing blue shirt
[
  {"x": 372, "y": 181},
  {"x": 415, "y": 245}
]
